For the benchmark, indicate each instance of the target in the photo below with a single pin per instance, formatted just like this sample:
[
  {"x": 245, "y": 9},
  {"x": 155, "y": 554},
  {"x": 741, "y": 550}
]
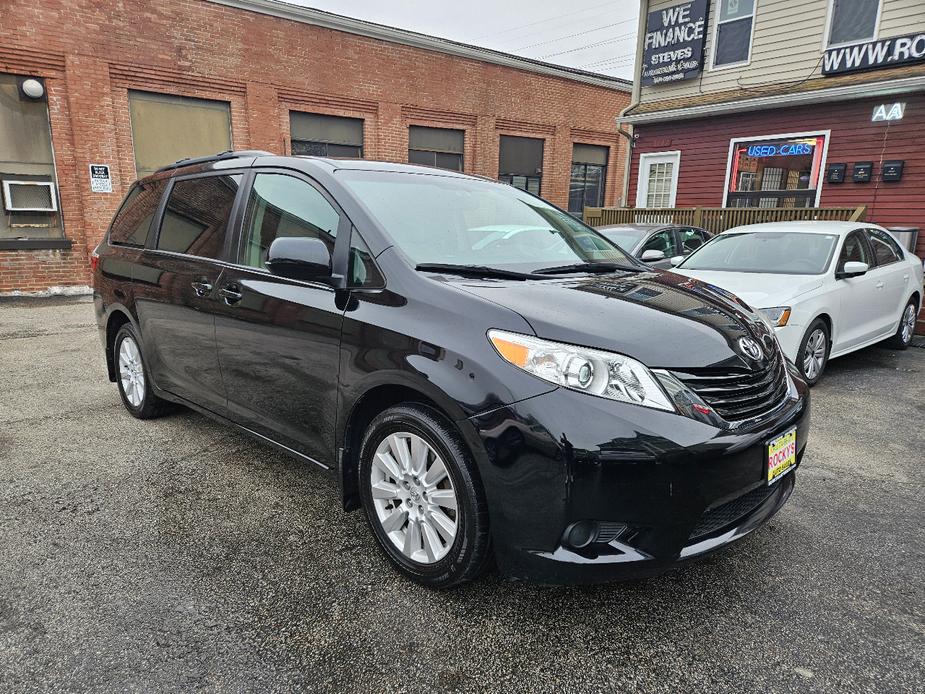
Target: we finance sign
[
  {"x": 899, "y": 50},
  {"x": 674, "y": 43}
]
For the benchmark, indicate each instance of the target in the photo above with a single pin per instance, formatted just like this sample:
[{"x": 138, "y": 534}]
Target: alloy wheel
[
  {"x": 131, "y": 372},
  {"x": 908, "y": 323},
  {"x": 814, "y": 354},
  {"x": 414, "y": 497}
]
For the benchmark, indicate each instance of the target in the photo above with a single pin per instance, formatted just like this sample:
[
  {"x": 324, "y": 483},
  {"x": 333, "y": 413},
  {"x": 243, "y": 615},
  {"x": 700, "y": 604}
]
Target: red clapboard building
[{"x": 774, "y": 103}]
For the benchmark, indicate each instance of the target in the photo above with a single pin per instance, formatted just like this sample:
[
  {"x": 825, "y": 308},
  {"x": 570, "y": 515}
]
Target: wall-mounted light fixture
[{"x": 32, "y": 88}]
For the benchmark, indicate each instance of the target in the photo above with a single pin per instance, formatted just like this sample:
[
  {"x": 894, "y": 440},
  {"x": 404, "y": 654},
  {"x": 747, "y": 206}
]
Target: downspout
[{"x": 634, "y": 100}]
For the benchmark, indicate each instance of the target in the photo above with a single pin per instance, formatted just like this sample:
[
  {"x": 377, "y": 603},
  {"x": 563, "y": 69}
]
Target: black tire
[
  {"x": 901, "y": 340},
  {"x": 150, "y": 405},
  {"x": 470, "y": 551},
  {"x": 816, "y": 370}
]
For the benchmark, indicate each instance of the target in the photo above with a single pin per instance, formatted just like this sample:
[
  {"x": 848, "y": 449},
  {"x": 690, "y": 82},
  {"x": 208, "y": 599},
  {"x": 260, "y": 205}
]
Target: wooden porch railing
[{"x": 718, "y": 219}]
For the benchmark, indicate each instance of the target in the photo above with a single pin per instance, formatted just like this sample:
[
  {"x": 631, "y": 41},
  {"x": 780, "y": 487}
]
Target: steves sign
[
  {"x": 674, "y": 43},
  {"x": 899, "y": 50}
]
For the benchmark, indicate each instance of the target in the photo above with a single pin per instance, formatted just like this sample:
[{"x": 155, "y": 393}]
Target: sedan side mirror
[
  {"x": 852, "y": 268},
  {"x": 652, "y": 255},
  {"x": 299, "y": 258},
  {"x": 677, "y": 260}
]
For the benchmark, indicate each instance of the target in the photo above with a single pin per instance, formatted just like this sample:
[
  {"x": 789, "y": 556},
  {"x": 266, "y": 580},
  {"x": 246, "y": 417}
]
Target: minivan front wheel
[
  {"x": 422, "y": 496},
  {"x": 132, "y": 377}
]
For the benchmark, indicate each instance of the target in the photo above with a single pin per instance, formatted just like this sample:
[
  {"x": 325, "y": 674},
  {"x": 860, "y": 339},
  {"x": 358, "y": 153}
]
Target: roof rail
[{"x": 227, "y": 154}]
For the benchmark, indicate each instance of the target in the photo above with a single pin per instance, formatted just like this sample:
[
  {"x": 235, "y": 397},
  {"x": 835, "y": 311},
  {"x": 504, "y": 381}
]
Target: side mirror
[
  {"x": 299, "y": 258},
  {"x": 652, "y": 255},
  {"x": 677, "y": 260},
  {"x": 852, "y": 269}
]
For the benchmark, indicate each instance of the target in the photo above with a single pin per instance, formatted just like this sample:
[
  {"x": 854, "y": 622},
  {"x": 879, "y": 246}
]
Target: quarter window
[
  {"x": 440, "y": 147},
  {"x": 885, "y": 249},
  {"x": 196, "y": 216},
  {"x": 280, "y": 206},
  {"x": 733, "y": 35},
  {"x": 326, "y": 136},
  {"x": 132, "y": 222},
  {"x": 853, "y": 21},
  {"x": 363, "y": 269}
]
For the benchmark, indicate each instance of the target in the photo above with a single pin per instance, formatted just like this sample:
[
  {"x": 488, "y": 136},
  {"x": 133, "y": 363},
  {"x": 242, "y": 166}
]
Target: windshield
[
  {"x": 779, "y": 253},
  {"x": 624, "y": 238},
  {"x": 462, "y": 221}
]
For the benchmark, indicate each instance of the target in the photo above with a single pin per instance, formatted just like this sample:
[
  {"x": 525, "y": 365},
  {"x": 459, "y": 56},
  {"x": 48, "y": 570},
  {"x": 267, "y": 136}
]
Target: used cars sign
[{"x": 674, "y": 43}]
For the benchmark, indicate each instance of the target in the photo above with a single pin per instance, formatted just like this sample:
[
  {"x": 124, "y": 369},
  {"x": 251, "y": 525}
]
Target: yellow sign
[{"x": 782, "y": 455}]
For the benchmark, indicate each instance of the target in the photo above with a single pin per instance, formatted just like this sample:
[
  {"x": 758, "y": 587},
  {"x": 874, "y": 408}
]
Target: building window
[
  {"x": 520, "y": 162},
  {"x": 589, "y": 173},
  {"x": 318, "y": 135},
  {"x": 853, "y": 21},
  {"x": 29, "y": 194},
  {"x": 732, "y": 43},
  {"x": 776, "y": 171},
  {"x": 168, "y": 128},
  {"x": 658, "y": 179},
  {"x": 440, "y": 147}
]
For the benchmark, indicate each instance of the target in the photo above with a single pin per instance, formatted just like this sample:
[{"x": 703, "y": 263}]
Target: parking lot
[{"x": 177, "y": 554}]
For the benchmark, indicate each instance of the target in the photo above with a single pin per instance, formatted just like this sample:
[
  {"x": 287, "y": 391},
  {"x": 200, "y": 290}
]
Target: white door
[
  {"x": 859, "y": 299},
  {"x": 658, "y": 179},
  {"x": 893, "y": 277}
]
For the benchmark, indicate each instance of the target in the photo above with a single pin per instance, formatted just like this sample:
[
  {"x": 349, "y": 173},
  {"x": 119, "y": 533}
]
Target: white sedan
[{"x": 828, "y": 288}]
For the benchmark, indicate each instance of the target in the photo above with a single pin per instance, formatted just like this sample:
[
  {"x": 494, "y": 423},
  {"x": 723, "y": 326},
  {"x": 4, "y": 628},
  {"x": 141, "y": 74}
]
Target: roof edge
[
  {"x": 329, "y": 20},
  {"x": 843, "y": 93}
]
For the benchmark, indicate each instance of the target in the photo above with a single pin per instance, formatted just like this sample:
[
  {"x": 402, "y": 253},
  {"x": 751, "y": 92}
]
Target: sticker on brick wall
[{"x": 100, "y": 181}]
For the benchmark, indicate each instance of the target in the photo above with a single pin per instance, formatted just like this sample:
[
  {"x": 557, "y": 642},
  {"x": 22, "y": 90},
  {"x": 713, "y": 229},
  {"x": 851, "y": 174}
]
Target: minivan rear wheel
[
  {"x": 132, "y": 377},
  {"x": 423, "y": 498}
]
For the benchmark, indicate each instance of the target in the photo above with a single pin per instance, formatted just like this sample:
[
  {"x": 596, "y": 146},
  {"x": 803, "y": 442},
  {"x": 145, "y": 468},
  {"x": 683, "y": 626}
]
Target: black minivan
[{"x": 487, "y": 377}]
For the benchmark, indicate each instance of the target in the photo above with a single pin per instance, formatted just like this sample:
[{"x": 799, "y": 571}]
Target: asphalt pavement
[{"x": 176, "y": 554}]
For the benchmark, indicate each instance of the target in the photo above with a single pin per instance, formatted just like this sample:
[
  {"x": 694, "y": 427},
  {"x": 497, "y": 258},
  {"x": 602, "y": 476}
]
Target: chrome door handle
[
  {"x": 201, "y": 287},
  {"x": 230, "y": 294},
  {"x": 879, "y": 285}
]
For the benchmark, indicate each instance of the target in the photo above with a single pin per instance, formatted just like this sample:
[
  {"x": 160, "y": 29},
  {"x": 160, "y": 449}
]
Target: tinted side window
[
  {"x": 662, "y": 241},
  {"x": 691, "y": 239},
  {"x": 196, "y": 217},
  {"x": 132, "y": 221},
  {"x": 855, "y": 249},
  {"x": 363, "y": 270},
  {"x": 280, "y": 205},
  {"x": 885, "y": 248}
]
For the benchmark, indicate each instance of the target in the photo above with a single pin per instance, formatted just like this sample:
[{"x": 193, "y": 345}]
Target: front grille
[
  {"x": 736, "y": 395},
  {"x": 731, "y": 511}
]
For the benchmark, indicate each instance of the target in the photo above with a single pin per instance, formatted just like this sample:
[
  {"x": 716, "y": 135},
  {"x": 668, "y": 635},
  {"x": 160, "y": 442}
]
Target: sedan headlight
[
  {"x": 777, "y": 316},
  {"x": 604, "y": 374}
]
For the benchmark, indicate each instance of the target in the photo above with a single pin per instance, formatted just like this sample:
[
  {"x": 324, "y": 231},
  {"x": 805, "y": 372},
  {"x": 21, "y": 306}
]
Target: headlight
[
  {"x": 777, "y": 316},
  {"x": 605, "y": 374}
]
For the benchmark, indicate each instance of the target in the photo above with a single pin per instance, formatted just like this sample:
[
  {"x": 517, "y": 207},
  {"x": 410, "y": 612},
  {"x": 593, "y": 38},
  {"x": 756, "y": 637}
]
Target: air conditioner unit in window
[{"x": 29, "y": 196}]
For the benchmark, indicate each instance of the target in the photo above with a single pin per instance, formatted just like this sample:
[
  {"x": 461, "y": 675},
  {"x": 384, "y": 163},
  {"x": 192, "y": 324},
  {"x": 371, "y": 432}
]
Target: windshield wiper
[
  {"x": 474, "y": 271},
  {"x": 586, "y": 267}
]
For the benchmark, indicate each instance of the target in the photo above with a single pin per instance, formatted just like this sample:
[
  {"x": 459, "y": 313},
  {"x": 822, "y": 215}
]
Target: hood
[
  {"x": 662, "y": 319},
  {"x": 758, "y": 290}
]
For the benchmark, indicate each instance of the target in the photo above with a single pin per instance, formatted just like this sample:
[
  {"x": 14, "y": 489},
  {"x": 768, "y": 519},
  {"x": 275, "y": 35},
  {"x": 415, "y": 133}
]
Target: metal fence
[{"x": 718, "y": 219}]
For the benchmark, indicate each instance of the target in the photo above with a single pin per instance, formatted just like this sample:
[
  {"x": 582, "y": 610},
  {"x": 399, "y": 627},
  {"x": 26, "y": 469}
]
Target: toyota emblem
[{"x": 750, "y": 348}]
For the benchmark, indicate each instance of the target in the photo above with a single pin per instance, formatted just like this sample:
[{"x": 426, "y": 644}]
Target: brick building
[{"x": 134, "y": 85}]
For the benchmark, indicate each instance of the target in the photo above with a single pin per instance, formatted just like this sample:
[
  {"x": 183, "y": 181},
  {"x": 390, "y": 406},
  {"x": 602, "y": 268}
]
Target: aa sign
[{"x": 888, "y": 112}]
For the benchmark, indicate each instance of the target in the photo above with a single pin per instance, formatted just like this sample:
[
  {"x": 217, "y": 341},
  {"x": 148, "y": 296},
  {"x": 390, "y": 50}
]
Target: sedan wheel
[
  {"x": 814, "y": 354},
  {"x": 906, "y": 330},
  {"x": 414, "y": 497}
]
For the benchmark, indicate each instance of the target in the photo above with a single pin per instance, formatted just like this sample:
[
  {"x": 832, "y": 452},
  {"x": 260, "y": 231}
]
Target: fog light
[{"x": 581, "y": 534}]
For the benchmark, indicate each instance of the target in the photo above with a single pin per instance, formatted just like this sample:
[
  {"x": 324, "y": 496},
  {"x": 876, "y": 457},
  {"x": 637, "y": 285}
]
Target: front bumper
[{"x": 678, "y": 488}]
